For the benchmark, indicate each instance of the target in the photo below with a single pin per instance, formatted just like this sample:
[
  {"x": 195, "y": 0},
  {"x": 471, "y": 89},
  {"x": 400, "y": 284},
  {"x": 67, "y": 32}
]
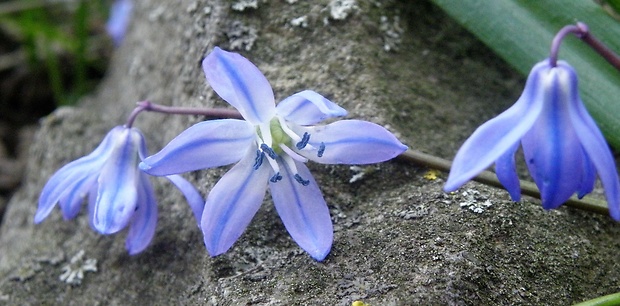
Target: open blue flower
[
  {"x": 270, "y": 149},
  {"x": 564, "y": 150},
  {"x": 119, "y": 194}
]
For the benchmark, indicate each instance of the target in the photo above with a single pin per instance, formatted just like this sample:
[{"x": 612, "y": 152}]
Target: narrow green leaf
[{"x": 521, "y": 33}]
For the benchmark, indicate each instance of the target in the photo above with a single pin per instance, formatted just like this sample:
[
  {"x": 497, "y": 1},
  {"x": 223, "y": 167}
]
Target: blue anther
[
  {"x": 304, "y": 141},
  {"x": 276, "y": 177},
  {"x": 269, "y": 151},
  {"x": 321, "y": 150},
  {"x": 259, "y": 159},
  {"x": 301, "y": 180}
]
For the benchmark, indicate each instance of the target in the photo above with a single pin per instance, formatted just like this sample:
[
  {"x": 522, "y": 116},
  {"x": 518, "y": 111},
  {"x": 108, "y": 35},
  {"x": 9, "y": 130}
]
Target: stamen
[
  {"x": 265, "y": 133},
  {"x": 304, "y": 141},
  {"x": 290, "y": 163},
  {"x": 276, "y": 177},
  {"x": 321, "y": 150},
  {"x": 300, "y": 180},
  {"x": 259, "y": 159},
  {"x": 269, "y": 151},
  {"x": 293, "y": 154},
  {"x": 288, "y": 131}
]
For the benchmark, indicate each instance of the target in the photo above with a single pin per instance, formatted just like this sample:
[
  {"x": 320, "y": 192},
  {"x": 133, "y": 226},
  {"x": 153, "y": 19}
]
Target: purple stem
[
  {"x": 582, "y": 31},
  {"x": 210, "y": 113}
]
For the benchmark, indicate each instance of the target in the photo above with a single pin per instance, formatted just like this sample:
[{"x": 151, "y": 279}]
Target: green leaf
[{"x": 521, "y": 33}]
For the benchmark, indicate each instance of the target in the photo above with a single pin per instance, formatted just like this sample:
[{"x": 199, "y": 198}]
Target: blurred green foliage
[{"x": 67, "y": 39}]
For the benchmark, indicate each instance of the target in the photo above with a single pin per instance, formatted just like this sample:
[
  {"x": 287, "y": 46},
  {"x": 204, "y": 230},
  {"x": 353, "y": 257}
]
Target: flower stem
[
  {"x": 489, "y": 178},
  {"x": 582, "y": 31},
  {"x": 210, "y": 113}
]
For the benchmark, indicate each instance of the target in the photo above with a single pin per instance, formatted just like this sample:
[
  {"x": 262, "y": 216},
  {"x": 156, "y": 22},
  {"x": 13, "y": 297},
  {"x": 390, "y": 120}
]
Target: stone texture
[{"x": 399, "y": 240}]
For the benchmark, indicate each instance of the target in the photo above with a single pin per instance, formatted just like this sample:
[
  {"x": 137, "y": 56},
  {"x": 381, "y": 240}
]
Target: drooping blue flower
[
  {"x": 118, "y": 22},
  {"x": 564, "y": 149},
  {"x": 270, "y": 148},
  {"x": 119, "y": 194}
]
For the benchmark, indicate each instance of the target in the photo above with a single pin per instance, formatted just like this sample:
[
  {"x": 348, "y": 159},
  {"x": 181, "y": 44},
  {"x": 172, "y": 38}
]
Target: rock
[{"x": 399, "y": 239}]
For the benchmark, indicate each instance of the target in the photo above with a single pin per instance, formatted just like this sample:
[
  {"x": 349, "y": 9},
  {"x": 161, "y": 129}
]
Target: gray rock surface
[{"x": 399, "y": 240}]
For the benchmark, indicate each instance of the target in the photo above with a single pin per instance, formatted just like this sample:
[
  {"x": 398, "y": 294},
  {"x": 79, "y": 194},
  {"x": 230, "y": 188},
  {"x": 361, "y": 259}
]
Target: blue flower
[
  {"x": 564, "y": 150},
  {"x": 119, "y": 194},
  {"x": 270, "y": 148},
  {"x": 118, "y": 22}
]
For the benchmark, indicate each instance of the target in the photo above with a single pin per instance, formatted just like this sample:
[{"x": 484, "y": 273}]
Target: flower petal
[
  {"x": 71, "y": 201},
  {"x": 206, "y": 144},
  {"x": 120, "y": 14},
  {"x": 144, "y": 220},
  {"x": 498, "y": 135},
  {"x": 194, "y": 198},
  {"x": 551, "y": 147},
  {"x": 303, "y": 211},
  {"x": 118, "y": 182},
  {"x": 507, "y": 173},
  {"x": 589, "y": 175},
  {"x": 350, "y": 142},
  {"x": 595, "y": 146},
  {"x": 71, "y": 174},
  {"x": 232, "y": 203},
  {"x": 240, "y": 83},
  {"x": 308, "y": 107}
]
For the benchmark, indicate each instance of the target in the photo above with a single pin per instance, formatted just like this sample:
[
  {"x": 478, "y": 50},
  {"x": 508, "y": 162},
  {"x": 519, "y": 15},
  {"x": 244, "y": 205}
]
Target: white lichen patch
[
  {"x": 242, "y": 5},
  {"x": 301, "y": 22},
  {"x": 474, "y": 201},
  {"x": 73, "y": 272},
  {"x": 341, "y": 9},
  {"x": 392, "y": 33},
  {"x": 291, "y": 1},
  {"x": 360, "y": 172},
  {"x": 240, "y": 36}
]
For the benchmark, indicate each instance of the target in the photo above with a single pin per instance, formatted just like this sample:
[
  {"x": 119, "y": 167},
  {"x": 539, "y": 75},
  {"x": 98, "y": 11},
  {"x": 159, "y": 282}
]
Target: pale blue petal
[
  {"x": 69, "y": 176},
  {"x": 120, "y": 15},
  {"x": 240, "y": 83},
  {"x": 118, "y": 182},
  {"x": 194, "y": 198},
  {"x": 507, "y": 173},
  {"x": 589, "y": 176},
  {"x": 72, "y": 199},
  {"x": 308, "y": 107},
  {"x": 204, "y": 145},
  {"x": 303, "y": 211},
  {"x": 232, "y": 203},
  {"x": 350, "y": 142},
  {"x": 595, "y": 146},
  {"x": 552, "y": 149},
  {"x": 144, "y": 219},
  {"x": 498, "y": 135}
]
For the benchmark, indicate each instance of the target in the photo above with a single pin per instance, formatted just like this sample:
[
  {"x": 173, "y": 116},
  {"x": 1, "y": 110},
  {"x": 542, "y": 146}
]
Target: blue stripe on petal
[
  {"x": 507, "y": 173},
  {"x": 72, "y": 199},
  {"x": 69, "y": 175},
  {"x": 232, "y": 203},
  {"x": 552, "y": 150},
  {"x": 351, "y": 142},
  {"x": 303, "y": 211},
  {"x": 308, "y": 107},
  {"x": 240, "y": 83},
  {"x": 144, "y": 219},
  {"x": 204, "y": 145},
  {"x": 492, "y": 139},
  {"x": 594, "y": 144},
  {"x": 118, "y": 183}
]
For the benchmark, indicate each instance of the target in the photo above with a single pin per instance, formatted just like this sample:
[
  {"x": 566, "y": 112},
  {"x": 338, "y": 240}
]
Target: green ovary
[{"x": 279, "y": 136}]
